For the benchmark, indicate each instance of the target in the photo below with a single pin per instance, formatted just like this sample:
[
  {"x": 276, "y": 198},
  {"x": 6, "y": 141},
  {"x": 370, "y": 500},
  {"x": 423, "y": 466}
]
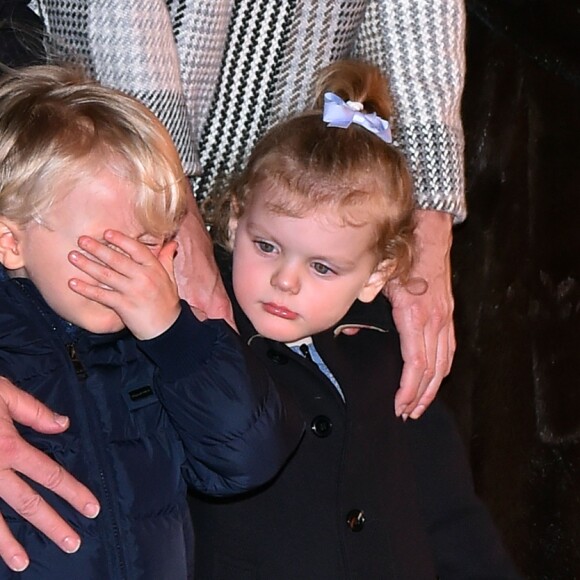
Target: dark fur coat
[{"x": 515, "y": 384}]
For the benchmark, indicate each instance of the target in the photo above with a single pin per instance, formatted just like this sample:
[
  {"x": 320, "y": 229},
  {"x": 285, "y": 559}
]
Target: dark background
[{"x": 515, "y": 384}]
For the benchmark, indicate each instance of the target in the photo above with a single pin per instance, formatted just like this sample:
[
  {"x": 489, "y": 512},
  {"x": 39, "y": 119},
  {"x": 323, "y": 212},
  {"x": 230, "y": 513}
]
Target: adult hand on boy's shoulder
[
  {"x": 19, "y": 457},
  {"x": 424, "y": 319}
]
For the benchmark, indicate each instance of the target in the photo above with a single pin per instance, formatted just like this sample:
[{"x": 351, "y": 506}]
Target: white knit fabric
[{"x": 218, "y": 73}]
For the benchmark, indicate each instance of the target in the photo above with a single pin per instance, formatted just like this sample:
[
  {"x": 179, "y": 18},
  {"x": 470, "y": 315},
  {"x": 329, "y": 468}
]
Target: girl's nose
[{"x": 286, "y": 279}]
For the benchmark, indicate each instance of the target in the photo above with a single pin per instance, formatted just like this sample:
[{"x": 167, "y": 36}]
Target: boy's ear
[
  {"x": 376, "y": 281},
  {"x": 10, "y": 234}
]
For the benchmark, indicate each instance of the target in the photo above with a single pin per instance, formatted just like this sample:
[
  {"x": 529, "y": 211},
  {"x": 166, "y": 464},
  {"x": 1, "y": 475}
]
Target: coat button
[
  {"x": 355, "y": 520},
  {"x": 277, "y": 357},
  {"x": 321, "y": 426}
]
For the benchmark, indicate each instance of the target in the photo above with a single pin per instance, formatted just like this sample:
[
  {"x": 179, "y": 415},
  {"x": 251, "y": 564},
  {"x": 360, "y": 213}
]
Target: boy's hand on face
[{"x": 134, "y": 280}]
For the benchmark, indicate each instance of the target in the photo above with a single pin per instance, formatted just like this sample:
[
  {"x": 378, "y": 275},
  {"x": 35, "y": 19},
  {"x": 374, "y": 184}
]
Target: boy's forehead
[{"x": 99, "y": 195}]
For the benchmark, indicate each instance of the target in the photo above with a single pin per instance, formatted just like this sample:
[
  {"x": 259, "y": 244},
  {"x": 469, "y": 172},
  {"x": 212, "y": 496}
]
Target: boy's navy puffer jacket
[{"x": 146, "y": 419}]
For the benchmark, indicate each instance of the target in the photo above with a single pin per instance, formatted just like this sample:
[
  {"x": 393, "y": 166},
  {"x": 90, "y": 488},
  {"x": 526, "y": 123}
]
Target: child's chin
[
  {"x": 281, "y": 335},
  {"x": 104, "y": 326}
]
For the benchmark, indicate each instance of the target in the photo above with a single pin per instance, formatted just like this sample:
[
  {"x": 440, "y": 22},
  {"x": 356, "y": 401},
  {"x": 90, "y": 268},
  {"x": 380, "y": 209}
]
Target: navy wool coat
[{"x": 366, "y": 496}]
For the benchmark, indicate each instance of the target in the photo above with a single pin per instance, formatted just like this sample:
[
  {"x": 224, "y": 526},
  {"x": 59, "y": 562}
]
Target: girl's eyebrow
[
  {"x": 258, "y": 230},
  {"x": 338, "y": 263}
]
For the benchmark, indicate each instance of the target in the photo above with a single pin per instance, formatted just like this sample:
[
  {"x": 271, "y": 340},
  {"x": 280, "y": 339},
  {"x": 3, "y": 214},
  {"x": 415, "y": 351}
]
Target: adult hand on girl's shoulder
[
  {"x": 19, "y": 457},
  {"x": 424, "y": 319}
]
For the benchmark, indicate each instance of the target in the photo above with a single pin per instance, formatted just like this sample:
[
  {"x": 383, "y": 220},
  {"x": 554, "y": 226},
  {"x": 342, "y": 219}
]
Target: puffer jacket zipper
[{"x": 108, "y": 512}]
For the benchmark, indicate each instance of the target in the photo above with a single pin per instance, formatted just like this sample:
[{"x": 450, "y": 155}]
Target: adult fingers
[
  {"x": 16, "y": 455},
  {"x": 19, "y": 456},
  {"x": 167, "y": 259},
  {"x": 11, "y": 551},
  {"x": 410, "y": 323},
  {"x": 32, "y": 507},
  {"x": 22, "y": 407}
]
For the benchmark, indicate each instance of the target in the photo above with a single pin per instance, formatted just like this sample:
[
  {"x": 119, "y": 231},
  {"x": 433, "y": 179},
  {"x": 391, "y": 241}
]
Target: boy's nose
[{"x": 286, "y": 279}]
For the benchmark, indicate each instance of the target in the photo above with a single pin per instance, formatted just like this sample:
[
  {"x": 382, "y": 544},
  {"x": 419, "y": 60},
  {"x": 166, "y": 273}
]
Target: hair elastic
[{"x": 338, "y": 113}]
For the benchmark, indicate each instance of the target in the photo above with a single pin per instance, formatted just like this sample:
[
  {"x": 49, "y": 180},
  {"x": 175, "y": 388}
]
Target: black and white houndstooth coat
[{"x": 218, "y": 73}]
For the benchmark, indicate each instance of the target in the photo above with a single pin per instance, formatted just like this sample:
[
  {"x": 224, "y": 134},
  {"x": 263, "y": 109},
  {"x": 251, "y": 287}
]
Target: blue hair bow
[{"x": 337, "y": 113}]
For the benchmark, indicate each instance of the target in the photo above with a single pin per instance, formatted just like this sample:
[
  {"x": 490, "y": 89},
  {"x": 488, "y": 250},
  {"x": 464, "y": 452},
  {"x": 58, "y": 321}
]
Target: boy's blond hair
[{"x": 57, "y": 127}]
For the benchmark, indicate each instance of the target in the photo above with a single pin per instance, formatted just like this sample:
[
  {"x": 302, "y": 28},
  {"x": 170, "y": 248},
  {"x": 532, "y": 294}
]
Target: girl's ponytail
[{"x": 354, "y": 80}]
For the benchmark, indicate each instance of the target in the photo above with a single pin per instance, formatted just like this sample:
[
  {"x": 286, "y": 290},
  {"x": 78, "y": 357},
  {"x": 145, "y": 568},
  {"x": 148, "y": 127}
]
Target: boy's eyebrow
[{"x": 137, "y": 237}]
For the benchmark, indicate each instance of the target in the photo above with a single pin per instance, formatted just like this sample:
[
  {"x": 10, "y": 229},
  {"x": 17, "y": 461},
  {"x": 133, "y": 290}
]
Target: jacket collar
[{"x": 67, "y": 331}]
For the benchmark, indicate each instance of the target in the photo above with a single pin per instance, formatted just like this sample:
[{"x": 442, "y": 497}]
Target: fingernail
[
  {"x": 62, "y": 420},
  {"x": 92, "y": 510},
  {"x": 404, "y": 416},
  {"x": 400, "y": 410},
  {"x": 73, "y": 256},
  {"x": 71, "y": 545},
  {"x": 19, "y": 563},
  {"x": 418, "y": 411}
]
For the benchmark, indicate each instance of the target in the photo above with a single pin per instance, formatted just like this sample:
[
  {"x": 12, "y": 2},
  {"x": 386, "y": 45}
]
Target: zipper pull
[{"x": 77, "y": 364}]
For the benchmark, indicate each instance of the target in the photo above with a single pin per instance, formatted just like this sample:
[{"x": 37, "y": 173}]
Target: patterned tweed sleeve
[
  {"x": 218, "y": 73},
  {"x": 420, "y": 45}
]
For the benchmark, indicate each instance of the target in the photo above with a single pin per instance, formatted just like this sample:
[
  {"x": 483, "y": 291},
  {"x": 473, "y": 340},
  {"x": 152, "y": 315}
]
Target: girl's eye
[
  {"x": 265, "y": 247},
  {"x": 321, "y": 268}
]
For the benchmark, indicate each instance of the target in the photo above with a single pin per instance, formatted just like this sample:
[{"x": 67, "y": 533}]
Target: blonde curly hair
[{"x": 304, "y": 165}]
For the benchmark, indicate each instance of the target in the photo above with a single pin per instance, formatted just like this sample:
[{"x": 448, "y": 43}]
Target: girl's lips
[{"x": 280, "y": 311}]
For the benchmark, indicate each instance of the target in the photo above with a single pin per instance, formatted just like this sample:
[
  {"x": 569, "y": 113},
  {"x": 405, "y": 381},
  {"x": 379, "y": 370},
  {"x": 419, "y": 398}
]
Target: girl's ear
[
  {"x": 10, "y": 253},
  {"x": 232, "y": 222},
  {"x": 232, "y": 229},
  {"x": 376, "y": 281}
]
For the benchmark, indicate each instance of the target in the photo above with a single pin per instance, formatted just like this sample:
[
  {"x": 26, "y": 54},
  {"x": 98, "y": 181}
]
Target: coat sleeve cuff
[{"x": 184, "y": 346}]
